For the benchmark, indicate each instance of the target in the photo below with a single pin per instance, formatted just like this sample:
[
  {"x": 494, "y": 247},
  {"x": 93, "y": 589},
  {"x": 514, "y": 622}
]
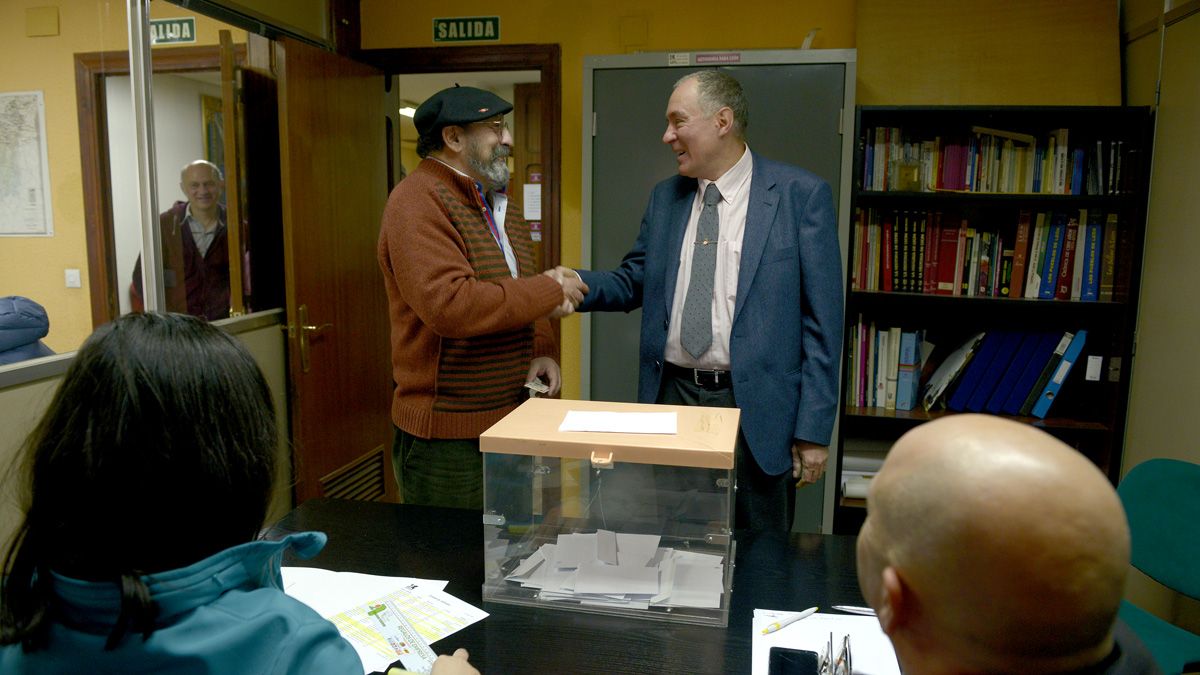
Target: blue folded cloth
[{"x": 23, "y": 324}]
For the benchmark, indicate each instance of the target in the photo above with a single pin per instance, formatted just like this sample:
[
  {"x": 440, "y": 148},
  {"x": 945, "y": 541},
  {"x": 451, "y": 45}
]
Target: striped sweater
[{"x": 463, "y": 329}]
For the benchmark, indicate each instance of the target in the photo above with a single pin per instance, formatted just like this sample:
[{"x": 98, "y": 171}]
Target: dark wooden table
[{"x": 773, "y": 571}]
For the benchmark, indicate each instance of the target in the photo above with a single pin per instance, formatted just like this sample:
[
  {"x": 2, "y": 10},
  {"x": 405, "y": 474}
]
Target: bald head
[{"x": 991, "y": 546}]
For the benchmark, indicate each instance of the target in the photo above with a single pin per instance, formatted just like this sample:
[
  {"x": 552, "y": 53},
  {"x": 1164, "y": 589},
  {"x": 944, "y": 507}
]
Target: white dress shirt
[{"x": 734, "y": 185}]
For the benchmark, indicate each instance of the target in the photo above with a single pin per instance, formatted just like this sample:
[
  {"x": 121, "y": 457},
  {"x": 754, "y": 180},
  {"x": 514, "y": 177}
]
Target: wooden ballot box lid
[{"x": 704, "y": 437}]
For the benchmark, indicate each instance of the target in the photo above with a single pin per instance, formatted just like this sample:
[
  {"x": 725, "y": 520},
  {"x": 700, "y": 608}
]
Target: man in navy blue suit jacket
[{"x": 777, "y": 296}]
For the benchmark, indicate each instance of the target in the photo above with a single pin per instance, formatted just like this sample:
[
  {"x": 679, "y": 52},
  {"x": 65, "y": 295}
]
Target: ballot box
[{"x": 612, "y": 508}]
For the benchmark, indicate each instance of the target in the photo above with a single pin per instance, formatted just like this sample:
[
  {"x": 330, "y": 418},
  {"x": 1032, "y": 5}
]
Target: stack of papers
[
  {"x": 622, "y": 570},
  {"x": 383, "y": 618}
]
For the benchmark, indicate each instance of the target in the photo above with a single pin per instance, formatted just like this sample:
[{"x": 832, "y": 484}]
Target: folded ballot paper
[{"x": 606, "y": 568}]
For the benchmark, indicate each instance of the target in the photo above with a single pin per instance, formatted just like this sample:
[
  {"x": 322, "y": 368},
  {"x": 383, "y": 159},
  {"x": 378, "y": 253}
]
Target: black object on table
[{"x": 773, "y": 571}]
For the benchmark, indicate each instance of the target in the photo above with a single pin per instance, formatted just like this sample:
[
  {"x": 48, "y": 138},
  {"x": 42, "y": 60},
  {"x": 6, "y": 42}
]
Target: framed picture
[{"x": 214, "y": 130}]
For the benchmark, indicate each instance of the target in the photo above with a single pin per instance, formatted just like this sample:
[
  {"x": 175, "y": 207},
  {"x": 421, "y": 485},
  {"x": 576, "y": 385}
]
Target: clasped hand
[{"x": 573, "y": 290}]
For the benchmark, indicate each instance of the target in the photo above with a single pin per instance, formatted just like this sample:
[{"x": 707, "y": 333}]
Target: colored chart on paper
[{"x": 433, "y": 615}]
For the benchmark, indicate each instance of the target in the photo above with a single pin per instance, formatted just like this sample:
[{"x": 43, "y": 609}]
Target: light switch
[{"x": 73, "y": 279}]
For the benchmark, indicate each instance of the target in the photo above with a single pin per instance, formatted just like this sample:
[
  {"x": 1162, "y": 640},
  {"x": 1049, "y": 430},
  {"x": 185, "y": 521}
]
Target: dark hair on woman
[{"x": 157, "y": 451}]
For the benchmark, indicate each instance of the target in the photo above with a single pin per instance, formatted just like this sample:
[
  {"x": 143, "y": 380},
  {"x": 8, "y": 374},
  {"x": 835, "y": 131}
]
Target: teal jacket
[{"x": 224, "y": 614}]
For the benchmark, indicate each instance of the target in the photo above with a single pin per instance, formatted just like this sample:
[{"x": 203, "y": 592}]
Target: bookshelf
[{"x": 949, "y": 204}]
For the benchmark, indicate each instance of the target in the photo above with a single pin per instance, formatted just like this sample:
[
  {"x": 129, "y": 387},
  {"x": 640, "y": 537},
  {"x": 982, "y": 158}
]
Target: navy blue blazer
[{"x": 787, "y": 321}]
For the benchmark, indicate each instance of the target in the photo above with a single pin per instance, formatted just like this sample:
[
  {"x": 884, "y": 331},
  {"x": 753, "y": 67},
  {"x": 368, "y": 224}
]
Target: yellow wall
[
  {"x": 617, "y": 27},
  {"x": 983, "y": 52},
  {"x": 33, "y": 266}
]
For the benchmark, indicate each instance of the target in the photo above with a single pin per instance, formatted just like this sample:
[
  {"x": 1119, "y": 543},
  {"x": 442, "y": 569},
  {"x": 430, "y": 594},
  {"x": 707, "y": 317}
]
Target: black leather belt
[{"x": 712, "y": 380}]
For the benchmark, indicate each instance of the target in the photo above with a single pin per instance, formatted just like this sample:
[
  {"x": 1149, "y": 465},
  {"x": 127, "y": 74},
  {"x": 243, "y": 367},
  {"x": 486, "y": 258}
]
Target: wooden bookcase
[{"x": 1088, "y": 414}]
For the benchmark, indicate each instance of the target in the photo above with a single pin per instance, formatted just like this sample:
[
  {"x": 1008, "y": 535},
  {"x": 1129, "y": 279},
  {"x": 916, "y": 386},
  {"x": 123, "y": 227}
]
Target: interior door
[{"x": 334, "y": 185}]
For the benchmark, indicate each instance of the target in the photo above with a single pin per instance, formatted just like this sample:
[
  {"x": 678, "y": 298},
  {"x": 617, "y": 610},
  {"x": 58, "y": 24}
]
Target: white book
[
  {"x": 881, "y": 367},
  {"x": 893, "y": 367},
  {"x": 1033, "y": 266}
]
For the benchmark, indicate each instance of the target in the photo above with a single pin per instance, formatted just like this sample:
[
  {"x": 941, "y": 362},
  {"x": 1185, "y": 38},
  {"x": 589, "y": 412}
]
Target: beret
[{"x": 459, "y": 106}]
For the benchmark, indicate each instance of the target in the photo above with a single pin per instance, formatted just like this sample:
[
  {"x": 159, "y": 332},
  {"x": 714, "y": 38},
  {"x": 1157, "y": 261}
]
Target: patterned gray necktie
[{"x": 695, "y": 331}]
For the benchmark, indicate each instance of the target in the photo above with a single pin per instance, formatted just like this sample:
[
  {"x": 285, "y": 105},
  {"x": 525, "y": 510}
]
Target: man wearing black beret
[{"x": 468, "y": 311}]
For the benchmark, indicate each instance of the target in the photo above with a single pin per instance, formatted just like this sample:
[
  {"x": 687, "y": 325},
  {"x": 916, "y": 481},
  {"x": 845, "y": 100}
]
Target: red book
[
  {"x": 933, "y": 223},
  {"x": 1020, "y": 255},
  {"x": 1066, "y": 270},
  {"x": 948, "y": 256},
  {"x": 885, "y": 255}
]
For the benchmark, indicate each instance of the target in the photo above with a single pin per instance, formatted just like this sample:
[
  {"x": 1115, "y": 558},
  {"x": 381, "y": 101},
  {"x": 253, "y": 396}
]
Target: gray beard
[{"x": 494, "y": 171}]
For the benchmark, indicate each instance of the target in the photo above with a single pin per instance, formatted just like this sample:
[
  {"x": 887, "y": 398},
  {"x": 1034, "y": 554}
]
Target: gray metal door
[{"x": 794, "y": 117}]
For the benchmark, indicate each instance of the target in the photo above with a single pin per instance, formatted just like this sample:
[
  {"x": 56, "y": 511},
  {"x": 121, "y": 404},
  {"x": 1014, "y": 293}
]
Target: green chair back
[{"x": 1162, "y": 502}]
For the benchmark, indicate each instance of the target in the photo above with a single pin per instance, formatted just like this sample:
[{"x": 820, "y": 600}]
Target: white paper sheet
[
  {"x": 695, "y": 586},
  {"x": 596, "y": 577},
  {"x": 574, "y": 549},
  {"x": 532, "y": 192},
  {"x": 870, "y": 648},
  {"x": 606, "y": 547},
  {"x": 348, "y": 600},
  {"x": 620, "y": 422},
  {"x": 329, "y": 592},
  {"x": 636, "y": 549}
]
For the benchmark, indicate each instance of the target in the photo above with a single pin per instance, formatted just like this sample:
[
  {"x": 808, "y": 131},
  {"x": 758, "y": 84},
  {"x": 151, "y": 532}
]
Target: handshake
[{"x": 573, "y": 290}]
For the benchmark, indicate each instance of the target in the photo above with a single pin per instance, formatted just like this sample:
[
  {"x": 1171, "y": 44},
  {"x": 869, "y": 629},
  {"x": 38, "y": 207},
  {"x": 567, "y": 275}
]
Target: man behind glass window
[{"x": 195, "y": 251}]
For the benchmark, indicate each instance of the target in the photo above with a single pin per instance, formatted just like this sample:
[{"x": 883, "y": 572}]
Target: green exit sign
[
  {"x": 467, "y": 29},
  {"x": 172, "y": 31}
]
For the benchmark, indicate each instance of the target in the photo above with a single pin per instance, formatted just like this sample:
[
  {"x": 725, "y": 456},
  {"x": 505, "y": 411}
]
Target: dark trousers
[
  {"x": 762, "y": 501},
  {"x": 438, "y": 471},
  {"x": 449, "y": 472}
]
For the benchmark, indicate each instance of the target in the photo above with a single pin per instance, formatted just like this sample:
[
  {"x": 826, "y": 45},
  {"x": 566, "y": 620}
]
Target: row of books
[
  {"x": 885, "y": 366},
  {"x": 997, "y": 372},
  {"x": 1064, "y": 255},
  {"x": 992, "y": 160}
]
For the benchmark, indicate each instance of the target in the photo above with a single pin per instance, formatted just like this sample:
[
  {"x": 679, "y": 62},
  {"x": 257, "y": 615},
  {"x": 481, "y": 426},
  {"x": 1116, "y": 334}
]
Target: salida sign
[
  {"x": 467, "y": 29},
  {"x": 172, "y": 31}
]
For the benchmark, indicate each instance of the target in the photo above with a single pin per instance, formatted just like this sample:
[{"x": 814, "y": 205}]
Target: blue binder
[
  {"x": 1009, "y": 341},
  {"x": 975, "y": 369},
  {"x": 1060, "y": 375},
  {"x": 1021, "y": 356},
  {"x": 1038, "y": 357}
]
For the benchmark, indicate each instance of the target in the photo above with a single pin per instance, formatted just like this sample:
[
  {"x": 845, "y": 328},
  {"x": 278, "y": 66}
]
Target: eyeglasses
[
  {"x": 497, "y": 125},
  {"x": 839, "y": 665}
]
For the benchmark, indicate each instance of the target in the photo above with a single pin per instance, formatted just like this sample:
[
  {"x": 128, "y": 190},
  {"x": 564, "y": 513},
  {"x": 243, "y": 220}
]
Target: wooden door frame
[
  {"x": 90, "y": 70},
  {"x": 546, "y": 58}
]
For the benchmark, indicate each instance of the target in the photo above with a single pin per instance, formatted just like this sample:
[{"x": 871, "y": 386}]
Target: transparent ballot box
[{"x": 612, "y": 508}]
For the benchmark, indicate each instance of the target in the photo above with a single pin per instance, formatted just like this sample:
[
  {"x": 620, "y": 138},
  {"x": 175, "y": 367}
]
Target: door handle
[{"x": 306, "y": 329}]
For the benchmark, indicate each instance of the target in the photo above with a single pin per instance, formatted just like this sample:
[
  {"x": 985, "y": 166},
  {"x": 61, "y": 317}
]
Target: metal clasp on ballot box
[{"x": 599, "y": 462}]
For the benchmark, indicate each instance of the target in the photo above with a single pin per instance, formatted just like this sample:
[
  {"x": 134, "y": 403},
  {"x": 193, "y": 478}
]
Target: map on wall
[{"x": 24, "y": 170}]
